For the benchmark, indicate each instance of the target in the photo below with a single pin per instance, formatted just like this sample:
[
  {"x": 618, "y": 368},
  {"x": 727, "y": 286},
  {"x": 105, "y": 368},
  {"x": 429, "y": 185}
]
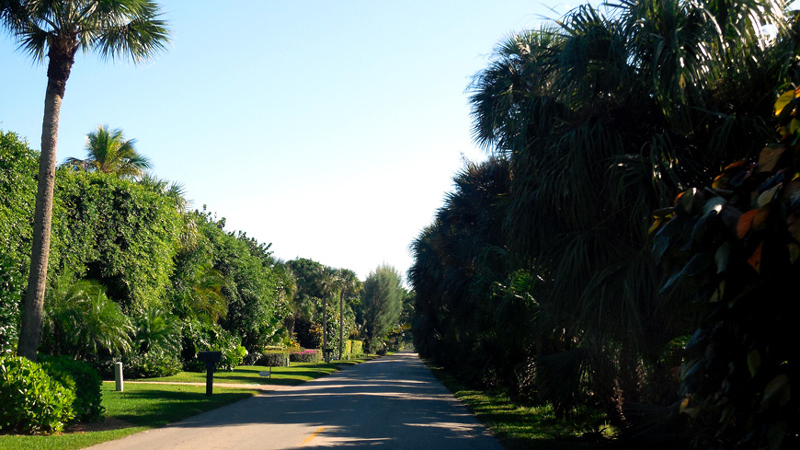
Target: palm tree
[
  {"x": 82, "y": 321},
  {"x": 604, "y": 117},
  {"x": 56, "y": 30},
  {"x": 110, "y": 152}
]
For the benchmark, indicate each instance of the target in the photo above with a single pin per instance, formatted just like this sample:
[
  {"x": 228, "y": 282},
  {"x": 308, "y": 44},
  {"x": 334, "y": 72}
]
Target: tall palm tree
[
  {"x": 109, "y": 152},
  {"x": 56, "y": 30}
]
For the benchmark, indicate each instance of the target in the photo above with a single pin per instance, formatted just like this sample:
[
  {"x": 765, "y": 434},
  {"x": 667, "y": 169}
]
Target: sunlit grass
[
  {"x": 143, "y": 406},
  {"x": 140, "y": 407},
  {"x": 529, "y": 427},
  {"x": 293, "y": 375}
]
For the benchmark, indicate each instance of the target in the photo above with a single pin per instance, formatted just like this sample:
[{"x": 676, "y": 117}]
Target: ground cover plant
[{"x": 529, "y": 427}]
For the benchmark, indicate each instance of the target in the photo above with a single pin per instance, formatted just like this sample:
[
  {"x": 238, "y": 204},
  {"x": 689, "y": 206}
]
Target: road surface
[{"x": 393, "y": 402}]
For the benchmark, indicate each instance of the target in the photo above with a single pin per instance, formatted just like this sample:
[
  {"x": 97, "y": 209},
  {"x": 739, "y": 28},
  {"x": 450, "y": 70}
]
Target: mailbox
[{"x": 209, "y": 357}]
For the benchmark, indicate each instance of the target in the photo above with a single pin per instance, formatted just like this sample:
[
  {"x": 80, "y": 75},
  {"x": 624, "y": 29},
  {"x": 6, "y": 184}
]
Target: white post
[{"x": 118, "y": 376}]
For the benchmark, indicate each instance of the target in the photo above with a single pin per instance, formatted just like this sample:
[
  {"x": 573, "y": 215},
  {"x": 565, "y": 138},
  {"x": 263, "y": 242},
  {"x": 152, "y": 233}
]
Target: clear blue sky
[{"x": 331, "y": 129}]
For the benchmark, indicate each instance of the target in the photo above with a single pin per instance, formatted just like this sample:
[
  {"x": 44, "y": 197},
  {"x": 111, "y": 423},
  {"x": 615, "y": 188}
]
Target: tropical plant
[
  {"x": 82, "y": 322},
  {"x": 109, "y": 152},
  {"x": 57, "y": 30},
  {"x": 155, "y": 329}
]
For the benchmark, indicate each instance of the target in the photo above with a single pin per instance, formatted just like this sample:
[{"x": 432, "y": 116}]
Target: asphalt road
[{"x": 390, "y": 403}]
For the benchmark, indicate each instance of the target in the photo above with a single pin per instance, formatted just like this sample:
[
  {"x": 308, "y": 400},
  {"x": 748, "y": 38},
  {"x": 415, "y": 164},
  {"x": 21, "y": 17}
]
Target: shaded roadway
[{"x": 389, "y": 403}]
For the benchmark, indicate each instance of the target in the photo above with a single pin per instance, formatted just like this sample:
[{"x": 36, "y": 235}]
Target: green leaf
[
  {"x": 782, "y": 101},
  {"x": 753, "y": 362}
]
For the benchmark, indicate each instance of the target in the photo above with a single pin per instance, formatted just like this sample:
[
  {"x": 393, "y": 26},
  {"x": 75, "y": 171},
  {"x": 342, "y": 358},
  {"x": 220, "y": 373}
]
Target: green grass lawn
[
  {"x": 293, "y": 375},
  {"x": 529, "y": 428},
  {"x": 143, "y": 406},
  {"x": 140, "y": 407}
]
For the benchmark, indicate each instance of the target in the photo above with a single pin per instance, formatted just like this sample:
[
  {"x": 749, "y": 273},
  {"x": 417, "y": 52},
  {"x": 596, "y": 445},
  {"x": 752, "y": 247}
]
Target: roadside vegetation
[
  {"x": 142, "y": 405},
  {"x": 520, "y": 427},
  {"x": 628, "y": 245},
  {"x": 103, "y": 262}
]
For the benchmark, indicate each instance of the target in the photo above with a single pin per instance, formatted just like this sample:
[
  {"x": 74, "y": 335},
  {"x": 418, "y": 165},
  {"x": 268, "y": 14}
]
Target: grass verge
[
  {"x": 293, "y": 375},
  {"x": 528, "y": 428},
  {"x": 140, "y": 407},
  {"x": 144, "y": 406}
]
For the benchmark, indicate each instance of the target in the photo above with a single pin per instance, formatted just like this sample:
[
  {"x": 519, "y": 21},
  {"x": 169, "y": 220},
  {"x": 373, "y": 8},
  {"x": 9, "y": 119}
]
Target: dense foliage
[
  {"x": 33, "y": 401},
  {"x": 538, "y": 275},
  {"x": 135, "y": 277},
  {"x": 17, "y": 189},
  {"x": 734, "y": 247},
  {"x": 86, "y": 382}
]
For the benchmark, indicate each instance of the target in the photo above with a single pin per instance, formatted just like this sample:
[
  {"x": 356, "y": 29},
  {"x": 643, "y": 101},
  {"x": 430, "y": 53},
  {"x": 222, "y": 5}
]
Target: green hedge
[
  {"x": 353, "y": 348},
  {"x": 33, "y": 401},
  {"x": 306, "y": 356},
  {"x": 86, "y": 381},
  {"x": 274, "y": 359}
]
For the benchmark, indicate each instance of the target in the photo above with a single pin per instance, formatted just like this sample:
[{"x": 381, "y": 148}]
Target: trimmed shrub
[
  {"x": 86, "y": 381},
  {"x": 354, "y": 348},
  {"x": 251, "y": 359},
  {"x": 33, "y": 402},
  {"x": 274, "y": 359},
  {"x": 312, "y": 355}
]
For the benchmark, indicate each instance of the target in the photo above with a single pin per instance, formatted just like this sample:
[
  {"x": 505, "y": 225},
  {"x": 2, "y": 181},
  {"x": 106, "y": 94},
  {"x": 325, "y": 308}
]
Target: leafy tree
[
  {"x": 109, "y": 152},
  {"x": 381, "y": 305},
  {"x": 249, "y": 286},
  {"x": 106, "y": 227},
  {"x": 321, "y": 291},
  {"x": 57, "y": 29},
  {"x": 473, "y": 311},
  {"x": 306, "y": 306},
  {"x": 17, "y": 189}
]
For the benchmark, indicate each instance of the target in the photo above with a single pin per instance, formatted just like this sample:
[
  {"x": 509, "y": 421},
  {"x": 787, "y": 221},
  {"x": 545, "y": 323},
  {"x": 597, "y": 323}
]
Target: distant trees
[
  {"x": 57, "y": 30},
  {"x": 323, "y": 294},
  {"x": 108, "y": 151},
  {"x": 381, "y": 305}
]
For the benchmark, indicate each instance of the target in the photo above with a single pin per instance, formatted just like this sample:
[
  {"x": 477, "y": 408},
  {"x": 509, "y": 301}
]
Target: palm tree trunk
[{"x": 31, "y": 323}]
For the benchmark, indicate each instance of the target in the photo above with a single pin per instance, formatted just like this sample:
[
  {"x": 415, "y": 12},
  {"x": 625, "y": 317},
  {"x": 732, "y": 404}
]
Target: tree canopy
[{"x": 108, "y": 151}]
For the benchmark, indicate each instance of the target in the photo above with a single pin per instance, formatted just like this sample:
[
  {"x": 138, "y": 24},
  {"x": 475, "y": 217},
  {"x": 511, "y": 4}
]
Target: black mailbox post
[{"x": 209, "y": 358}]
